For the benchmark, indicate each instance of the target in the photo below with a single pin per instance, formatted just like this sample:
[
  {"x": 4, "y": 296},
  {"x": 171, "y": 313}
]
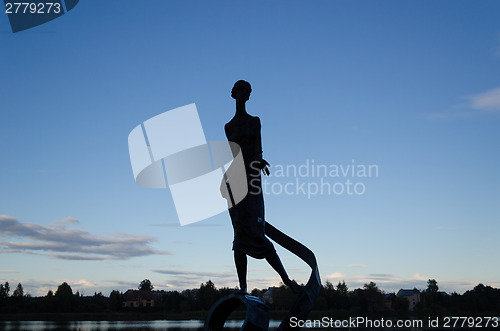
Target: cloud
[
  {"x": 335, "y": 276},
  {"x": 59, "y": 241},
  {"x": 487, "y": 101},
  {"x": 392, "y": 283},
  {"x": 86, "y": 287},
  {"x": 385, "y": 282},
  {"x": 191, "y": 283},
  {"x": 195, "y": 274},
  {"x": 79, "y": 257},
  {"x": 8, "y": 272},
  {"x": 186, "y": 279},
  {"x": 381, "y": 277},
  {"x": 83, "y": 283},
  {"x": 65, "y": 221},
  {"x": 196, "y": 225}
]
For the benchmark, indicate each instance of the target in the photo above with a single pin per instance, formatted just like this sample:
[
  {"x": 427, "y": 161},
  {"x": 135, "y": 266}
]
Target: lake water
[{"x": 192, "y": 325}]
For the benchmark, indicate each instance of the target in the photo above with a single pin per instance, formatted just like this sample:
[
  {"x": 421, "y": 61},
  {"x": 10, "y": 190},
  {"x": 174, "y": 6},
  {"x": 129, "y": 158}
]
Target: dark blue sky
[{"x": 411, "y": 87}]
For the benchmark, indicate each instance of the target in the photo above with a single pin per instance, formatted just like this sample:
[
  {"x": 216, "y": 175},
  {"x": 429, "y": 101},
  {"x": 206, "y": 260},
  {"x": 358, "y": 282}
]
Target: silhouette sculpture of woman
[{"x": 247, "y": 216}]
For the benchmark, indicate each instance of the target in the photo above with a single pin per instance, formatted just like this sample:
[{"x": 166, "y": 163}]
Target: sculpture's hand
[{"x": 263, "y": 166}]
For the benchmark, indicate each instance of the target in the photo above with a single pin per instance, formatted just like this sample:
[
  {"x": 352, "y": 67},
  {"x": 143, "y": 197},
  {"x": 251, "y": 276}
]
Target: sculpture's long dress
[{"x": 247, "y": 216}]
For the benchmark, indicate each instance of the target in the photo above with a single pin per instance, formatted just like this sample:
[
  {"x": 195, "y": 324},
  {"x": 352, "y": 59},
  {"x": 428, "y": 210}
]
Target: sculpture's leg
[
  {"x": 275, "y": 262},
  {"x": 240, "y": 260},
  {"x": 305, "y": 300}
]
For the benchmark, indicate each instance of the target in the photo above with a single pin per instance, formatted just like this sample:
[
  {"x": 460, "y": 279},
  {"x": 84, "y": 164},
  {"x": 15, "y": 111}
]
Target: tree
[
  {"x": 342, "y": 288},
  {"x": 342, "y": 296},
  {"x": 432, "y": 286},
  {"x": 371, "y": 287},
  {"x": 327, "y": 296},
  {"x": 374, "y": 297},
  {"x": 146, "y": 285},
  {"x": 50, "y": 294},
  {"x": 64, "y": 297},
  {"x": 3, "y": 294},
  {"x": 282, "y": 297},
  {"x": 115, "y": 300},
  {"x": 64, "y": 291},
  {"x": 207, "y": 294},
  {"x": 431, "y": 295},
  {"x": 4, "y": 290},
  {"x": 482, "y": 299},
  {"x": 19, "y": 291}
]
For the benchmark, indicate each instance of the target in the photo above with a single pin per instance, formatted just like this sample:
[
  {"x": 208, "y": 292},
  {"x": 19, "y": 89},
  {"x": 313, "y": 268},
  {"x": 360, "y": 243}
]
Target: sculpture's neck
[{"x": 240, "y": 109}]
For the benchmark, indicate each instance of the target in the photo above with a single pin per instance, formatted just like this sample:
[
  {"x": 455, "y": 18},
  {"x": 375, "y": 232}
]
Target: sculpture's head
[{"x": 241, "y": 90}]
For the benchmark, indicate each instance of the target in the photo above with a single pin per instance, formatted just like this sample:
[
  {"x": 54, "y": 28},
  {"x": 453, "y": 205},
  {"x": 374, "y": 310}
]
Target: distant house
[
  {"x": 413, "y": 297},
  {"x": 138, "y": 298}
]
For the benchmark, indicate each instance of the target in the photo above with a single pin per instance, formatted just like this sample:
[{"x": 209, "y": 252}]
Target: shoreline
[
  {"x": 113, "y": 316},
  {"x": 157, "y": 316}
]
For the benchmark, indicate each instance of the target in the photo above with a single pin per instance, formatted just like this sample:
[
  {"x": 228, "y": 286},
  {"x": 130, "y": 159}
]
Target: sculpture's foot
[
  {"x": 296, "y": 288},
  {"x": 242, "y": 291}
]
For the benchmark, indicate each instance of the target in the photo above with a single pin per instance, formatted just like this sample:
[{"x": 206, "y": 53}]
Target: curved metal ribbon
[
  {"x": 305, "y": 301},
  {"x": 256, "y": 318}
]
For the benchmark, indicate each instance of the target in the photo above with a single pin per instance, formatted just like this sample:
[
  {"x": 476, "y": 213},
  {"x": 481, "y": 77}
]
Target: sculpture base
[{"x": 256, "y": 318}]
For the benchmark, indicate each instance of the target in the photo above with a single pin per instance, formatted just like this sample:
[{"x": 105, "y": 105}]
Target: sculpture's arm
[
  {"x": 258, "y": 141},
  {"x": 263, "y": 164}
]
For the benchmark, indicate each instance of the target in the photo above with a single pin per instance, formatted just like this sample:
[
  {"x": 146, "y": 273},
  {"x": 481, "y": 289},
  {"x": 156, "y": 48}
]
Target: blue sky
[{"x": 411, "y": 87}]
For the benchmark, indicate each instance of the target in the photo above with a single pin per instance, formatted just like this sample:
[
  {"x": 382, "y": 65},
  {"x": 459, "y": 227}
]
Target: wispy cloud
[
  {"x": 195, "y": 273},
  {"x": 386, "y": 282},
  {"x": 186, "y": 279},
  {"x": 196, "y": 225},
  {"x": 182, "y": 279},
  {"x": 61, "y": 242},
  {"x": 335, "y": 276},
  {"x": 486, "y": 101},
  {"x": 392, "y": 283},
  {"x": 86, "y": 287},
  {"x": 66, "y": 221}
]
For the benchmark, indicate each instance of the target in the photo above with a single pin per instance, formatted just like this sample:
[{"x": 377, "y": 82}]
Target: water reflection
[
  {"x": 190, "y": 325},
  {"x": 102, "y": 325}
]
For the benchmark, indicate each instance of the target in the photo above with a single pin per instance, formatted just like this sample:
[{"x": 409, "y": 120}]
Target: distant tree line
[
  {"x": 481, "y": 300},
  {"x": 334, "y": 299}
]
